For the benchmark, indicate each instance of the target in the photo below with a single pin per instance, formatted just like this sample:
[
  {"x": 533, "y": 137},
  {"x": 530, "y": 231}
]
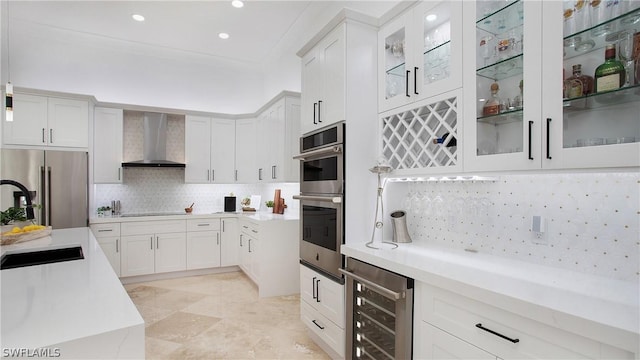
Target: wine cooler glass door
[{"x": 374, "y": 317}]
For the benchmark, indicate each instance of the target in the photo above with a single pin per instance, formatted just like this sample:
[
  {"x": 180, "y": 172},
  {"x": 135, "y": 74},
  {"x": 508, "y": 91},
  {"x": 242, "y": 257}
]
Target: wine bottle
[
  {"x": 611, "y": 74},
  {"x": 443, "y": 139}
]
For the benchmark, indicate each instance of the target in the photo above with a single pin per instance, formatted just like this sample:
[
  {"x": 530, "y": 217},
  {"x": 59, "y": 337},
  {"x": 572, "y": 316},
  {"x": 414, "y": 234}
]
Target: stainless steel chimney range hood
[{"x": 155, "y": 144}]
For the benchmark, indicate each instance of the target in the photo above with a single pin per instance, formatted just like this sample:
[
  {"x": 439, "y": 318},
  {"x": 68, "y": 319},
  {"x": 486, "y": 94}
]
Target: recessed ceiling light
[
  {"x": 431, "y": 17},
  {"x": 237, "y": 4},
  {"x": 137, "y": 17},
  {"x": 223, "y": 35}
]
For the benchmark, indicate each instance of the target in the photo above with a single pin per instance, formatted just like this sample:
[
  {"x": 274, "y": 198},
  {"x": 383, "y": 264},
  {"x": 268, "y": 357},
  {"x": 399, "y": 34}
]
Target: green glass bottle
[{"x": 610, "y": 75}]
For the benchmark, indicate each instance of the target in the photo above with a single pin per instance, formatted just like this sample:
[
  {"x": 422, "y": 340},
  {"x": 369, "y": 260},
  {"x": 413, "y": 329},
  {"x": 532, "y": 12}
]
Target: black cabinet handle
[
  {"x": 321, "y": 327},
  {"x": 406, "y": 84},
  {"x": 548, "y": 138},
  {"x": 314, "y": 113},
  {"x": 479, "y": 326},
  {"x": 319, "y": 105},
  {"x": 317, "y": 290},
  {"x": 530, "y": 127},
  {"x": 415, "y": 80}
]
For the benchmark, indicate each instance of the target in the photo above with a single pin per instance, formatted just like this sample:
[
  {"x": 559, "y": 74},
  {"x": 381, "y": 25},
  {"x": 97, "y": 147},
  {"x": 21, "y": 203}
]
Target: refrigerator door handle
[
  {"x": 44, "y": 213},
  {"x": 49, "y": 194}
]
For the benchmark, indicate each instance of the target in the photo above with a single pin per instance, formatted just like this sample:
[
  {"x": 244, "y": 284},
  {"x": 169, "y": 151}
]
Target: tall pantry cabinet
[{"x": 339, "y": 84}]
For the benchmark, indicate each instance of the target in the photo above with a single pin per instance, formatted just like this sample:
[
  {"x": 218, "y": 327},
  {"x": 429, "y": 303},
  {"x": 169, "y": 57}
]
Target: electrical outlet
[{"x": 539, "y": 230}]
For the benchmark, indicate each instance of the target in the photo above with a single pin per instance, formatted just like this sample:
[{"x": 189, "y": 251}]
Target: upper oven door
[{"x": 323, "y": 172}]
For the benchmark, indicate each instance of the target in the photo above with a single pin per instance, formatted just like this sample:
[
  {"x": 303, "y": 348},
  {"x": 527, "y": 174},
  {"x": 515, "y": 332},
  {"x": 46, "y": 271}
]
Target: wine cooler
[{"x": 379, "y": 312}]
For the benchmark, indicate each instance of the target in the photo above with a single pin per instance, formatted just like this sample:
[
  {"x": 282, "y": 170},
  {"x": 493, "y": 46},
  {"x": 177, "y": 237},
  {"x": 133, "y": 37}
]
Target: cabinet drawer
[
  {"x": 203, "y": 224},
  {"x": 105, "y": 230},
  {"x": 153, "y": 227},
  {"x": 249, "y": 228},
  {"x": 323, "y": 327},
  {"x": 505, "y": 334}
]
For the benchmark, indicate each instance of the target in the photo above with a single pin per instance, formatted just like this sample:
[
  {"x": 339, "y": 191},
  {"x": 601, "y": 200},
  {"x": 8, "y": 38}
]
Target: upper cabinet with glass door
[
  {"x": 420, "y": 53},
  {"x": 503, "y": 111},
  {"x": 592, "y": 114}
]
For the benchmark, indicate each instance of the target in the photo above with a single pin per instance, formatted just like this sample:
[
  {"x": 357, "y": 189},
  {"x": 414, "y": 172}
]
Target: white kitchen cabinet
[
  {"x": 545, "y": 131},
  {"x": 246, "y": 150},
  {"x": 436, "y": 344},
  {"x": 420, "y": 53},
  {"x": 153, "y": 247},
  {"x": 229, "y": 242},
  {"x": 48, "y": 121},
  {"x": 108, "y": 236},
  {"x": 322, "y": 307},
  {"x": 279, "y": 129},
  {"x": 495, "y": 331},
  {"x": 209, "y": 150},
  {"x": 337, "y": 84},
  {"x": 270, "y": 255},
  {"x": 203, "y": 243},
  {"x": 107, "y": 145},
  {"x": 323, "y": 81},
  {"x": 323, "y": 294}
]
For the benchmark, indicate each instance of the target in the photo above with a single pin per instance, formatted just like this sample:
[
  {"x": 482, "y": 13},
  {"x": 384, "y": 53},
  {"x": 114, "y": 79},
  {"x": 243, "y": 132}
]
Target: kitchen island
[{"x": 73, "y": 309}]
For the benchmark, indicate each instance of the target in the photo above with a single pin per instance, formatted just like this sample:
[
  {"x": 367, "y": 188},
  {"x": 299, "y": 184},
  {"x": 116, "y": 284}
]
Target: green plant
[
  {"x": 12, "y": 214},
  {"x": 104, "y": 208},
  {"x": 269, "y": 203}
]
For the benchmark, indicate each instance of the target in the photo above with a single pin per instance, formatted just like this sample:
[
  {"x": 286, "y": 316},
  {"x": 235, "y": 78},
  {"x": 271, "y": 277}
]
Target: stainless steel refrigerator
[{"x": 56, "y": 180}]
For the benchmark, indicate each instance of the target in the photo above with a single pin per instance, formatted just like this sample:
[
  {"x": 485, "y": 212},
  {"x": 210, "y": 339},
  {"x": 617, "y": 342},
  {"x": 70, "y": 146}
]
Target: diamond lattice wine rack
[{"x": 422, "y": 137}]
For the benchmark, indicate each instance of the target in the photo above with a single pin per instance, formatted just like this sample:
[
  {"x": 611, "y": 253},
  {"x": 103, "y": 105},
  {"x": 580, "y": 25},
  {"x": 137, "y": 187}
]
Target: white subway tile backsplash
[{"x": 592, "y": 219}]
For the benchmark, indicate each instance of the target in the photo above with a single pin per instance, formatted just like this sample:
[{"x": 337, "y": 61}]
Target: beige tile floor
[{"x": 220, "y": 316}]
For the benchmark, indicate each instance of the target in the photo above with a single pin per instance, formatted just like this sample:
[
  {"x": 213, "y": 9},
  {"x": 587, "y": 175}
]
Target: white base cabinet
[
  {"x": 322, "y": 308},
  {"x": 450, "y": 323},
  {"x": 153, "y": 247},
  {"x": 108, "y": 236},
  {"x": 203, "y": 243},
  {"x": 229, "y": 242},
  {"x": 270, "y": 255}
]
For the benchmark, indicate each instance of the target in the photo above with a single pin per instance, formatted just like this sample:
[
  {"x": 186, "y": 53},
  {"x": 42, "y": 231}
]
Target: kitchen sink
[{"x": 15, "y": 260}]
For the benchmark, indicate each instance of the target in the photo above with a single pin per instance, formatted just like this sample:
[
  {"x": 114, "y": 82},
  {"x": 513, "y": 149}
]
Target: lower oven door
[
  {"x": 321, "y": 233},
  {"x": 379, "y": 312}
]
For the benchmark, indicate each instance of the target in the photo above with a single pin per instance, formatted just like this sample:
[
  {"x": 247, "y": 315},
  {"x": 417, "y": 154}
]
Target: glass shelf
[
  {"x": 436, "y": 48},
  {"x": 603, "y": 99},
  {"x": 585, "y": 40},
  {"x": 503, "y": 19},
  {"x": 502, "y": 118},
  {"x": 397, "y": 70},
  {"x": 502, "y": 69}
]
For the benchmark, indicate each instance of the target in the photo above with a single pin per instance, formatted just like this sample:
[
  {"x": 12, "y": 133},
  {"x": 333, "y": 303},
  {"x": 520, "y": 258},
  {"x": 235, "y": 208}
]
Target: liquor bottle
[
  {"x": 579, "y": 84},
  {"x": 610, "y": 75},
  {"x": 443, "y": 139},
  {"x": 492, "y": 105},
  {"x": 518, "y": 100}
]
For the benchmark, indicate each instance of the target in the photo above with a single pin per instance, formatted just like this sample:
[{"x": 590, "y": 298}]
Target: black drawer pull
[
  {"x": 479, "y": 326},
  {"x": 321, "y": 327}
]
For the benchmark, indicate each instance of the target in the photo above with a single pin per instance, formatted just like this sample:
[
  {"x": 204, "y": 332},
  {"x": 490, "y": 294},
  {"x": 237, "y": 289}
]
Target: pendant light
[{"x": 8, "y": 104}]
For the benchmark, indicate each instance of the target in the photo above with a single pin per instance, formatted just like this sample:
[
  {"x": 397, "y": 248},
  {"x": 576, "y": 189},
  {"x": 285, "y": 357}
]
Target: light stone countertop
[
  {"x": 612, "y": 305},
  {"x": 49, "y": 304},
  {"x": 258, "y": 216}
]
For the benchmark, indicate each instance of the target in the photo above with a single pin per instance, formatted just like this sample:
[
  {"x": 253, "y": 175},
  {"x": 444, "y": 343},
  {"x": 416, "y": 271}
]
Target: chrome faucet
[{"x": 25, "y": 192}]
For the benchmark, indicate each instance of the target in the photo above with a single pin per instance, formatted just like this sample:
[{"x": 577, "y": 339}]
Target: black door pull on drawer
[{"x": 479, "y": 326}]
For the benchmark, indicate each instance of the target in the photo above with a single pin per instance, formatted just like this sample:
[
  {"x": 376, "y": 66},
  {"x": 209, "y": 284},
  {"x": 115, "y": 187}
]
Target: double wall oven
[{"x": 322, "y": 200}]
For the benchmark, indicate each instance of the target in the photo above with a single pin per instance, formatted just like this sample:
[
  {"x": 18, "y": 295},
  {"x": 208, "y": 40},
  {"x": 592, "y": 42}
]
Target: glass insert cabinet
[
  {"x": 531, "y": 106},
  {"x": 420, "y": 53}
]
